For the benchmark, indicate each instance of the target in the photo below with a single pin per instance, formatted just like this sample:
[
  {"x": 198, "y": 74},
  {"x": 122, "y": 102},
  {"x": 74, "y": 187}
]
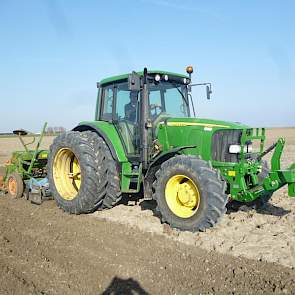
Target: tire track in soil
[{"x": 45, "y": 251}]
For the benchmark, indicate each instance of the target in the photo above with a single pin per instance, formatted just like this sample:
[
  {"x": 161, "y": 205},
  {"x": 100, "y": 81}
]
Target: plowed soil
[
  {"x": 45, "y": 251},
  {"x": 127, "y": 250}
]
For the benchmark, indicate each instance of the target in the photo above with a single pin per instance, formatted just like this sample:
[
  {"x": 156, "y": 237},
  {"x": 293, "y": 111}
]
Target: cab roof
[{"x": 125, "y": 76}]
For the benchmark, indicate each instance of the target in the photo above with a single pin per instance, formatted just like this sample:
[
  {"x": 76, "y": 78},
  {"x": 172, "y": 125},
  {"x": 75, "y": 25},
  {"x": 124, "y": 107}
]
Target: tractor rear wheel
[
  {"x": 82, "y": 173},
  {"x": 15, "y": 185},
  {"x": 189, "y": 193}
]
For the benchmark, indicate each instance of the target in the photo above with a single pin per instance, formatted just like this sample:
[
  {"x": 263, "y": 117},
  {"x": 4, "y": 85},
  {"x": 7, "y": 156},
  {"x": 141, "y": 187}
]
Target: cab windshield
[{"x": 168, "y": 99}]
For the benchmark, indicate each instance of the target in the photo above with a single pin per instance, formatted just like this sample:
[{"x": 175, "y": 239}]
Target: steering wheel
[{"x": 154, "y": 107}]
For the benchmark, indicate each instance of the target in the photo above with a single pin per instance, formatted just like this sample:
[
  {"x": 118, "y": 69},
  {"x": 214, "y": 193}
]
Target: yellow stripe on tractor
[{"x": 181, "y": 124}]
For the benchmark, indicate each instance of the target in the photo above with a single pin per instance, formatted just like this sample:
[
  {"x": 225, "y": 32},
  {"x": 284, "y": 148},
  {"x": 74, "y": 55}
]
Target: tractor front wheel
[
  {"x": 189, "y": 193},
  {"x": 82, "y": 173},
  {"x": 15, "y": 185}
]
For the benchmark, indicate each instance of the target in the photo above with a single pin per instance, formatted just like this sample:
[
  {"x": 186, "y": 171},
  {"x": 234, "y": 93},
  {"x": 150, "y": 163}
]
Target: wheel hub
[
  {"x": 67, "y": 174},
  {"x": 182, "y": 196},
  {"x": 186, "y": 195}
]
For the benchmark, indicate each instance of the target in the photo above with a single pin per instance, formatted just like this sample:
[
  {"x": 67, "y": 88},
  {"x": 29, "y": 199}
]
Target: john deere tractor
[{"x": 146, "y": 139}]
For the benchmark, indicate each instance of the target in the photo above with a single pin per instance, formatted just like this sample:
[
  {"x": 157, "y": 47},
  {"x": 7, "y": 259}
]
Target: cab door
[{"x": 120, "y": 107}]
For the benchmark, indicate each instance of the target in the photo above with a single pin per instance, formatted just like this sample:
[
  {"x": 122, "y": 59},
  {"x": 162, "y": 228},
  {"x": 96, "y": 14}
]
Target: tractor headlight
[
  {"x": 234, "y": 149},
  {"x": 166, "y": 77},
  {"x": 157, "y": 78},
  {"x": 249, "y": 148}
]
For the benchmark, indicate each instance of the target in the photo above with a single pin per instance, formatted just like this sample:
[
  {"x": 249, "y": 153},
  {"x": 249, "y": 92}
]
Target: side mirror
[
  {"x": 208, "y": 92},
  {"x": 133, "y": 82}
]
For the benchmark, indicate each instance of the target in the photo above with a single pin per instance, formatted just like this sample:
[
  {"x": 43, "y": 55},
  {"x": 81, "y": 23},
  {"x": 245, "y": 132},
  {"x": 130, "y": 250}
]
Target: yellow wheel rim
[
  {"x": 66, "y": 174},
  {"x": 182, "y": 196},
  {"x": 12, "y": 186}
]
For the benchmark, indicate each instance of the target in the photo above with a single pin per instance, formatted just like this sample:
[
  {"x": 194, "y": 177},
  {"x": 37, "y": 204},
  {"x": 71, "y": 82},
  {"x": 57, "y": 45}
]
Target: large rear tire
[
  {"x": 82, "y": 173},
  {"x": 189, "y": 193}
]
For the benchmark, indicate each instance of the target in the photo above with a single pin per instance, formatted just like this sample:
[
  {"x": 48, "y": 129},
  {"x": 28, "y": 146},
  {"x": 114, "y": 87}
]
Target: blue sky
[{"x": 52, "y": 52}]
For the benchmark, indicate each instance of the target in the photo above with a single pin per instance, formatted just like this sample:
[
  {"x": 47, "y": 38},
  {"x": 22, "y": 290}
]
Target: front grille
[{"x": 221, "y": 141}]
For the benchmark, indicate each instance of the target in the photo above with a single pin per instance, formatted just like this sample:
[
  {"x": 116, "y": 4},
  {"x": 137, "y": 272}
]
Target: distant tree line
[{"x": 54, "y": 130}]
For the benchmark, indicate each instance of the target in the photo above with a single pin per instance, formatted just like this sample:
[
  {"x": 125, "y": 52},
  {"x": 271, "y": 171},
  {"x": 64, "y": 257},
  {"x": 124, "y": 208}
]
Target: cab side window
[
  {"x": 107, "y": 103},
  {"x": 123, "y": 99}
]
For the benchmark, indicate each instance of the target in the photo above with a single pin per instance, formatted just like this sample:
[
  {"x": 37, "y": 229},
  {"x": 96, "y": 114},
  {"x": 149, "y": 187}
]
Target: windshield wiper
[{"x": 183, "y": 96}]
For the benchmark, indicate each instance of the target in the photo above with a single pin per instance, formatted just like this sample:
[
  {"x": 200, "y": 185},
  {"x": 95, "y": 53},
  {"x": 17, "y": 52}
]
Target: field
[{"x": 127, "y": 250}]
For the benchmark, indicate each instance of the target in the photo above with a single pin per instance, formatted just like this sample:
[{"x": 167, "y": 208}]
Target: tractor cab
[{"x": 151, "y": 97}]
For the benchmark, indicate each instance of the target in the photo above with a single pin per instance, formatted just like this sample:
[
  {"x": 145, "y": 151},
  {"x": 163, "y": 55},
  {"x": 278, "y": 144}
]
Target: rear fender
[{"x": 109, "y": 135}]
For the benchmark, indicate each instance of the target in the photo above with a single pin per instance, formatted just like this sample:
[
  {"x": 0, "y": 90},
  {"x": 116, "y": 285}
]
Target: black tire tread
[
  {"x": 210, "y": 181},
  {"x": 100, "y": 172}
]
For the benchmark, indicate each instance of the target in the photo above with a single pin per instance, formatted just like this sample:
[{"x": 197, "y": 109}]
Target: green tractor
[{"x": 145, "y": 139}]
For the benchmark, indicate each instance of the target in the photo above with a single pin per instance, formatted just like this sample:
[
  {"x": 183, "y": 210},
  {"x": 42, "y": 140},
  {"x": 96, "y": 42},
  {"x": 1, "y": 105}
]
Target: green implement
[{"x": 25, "y": 165}]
